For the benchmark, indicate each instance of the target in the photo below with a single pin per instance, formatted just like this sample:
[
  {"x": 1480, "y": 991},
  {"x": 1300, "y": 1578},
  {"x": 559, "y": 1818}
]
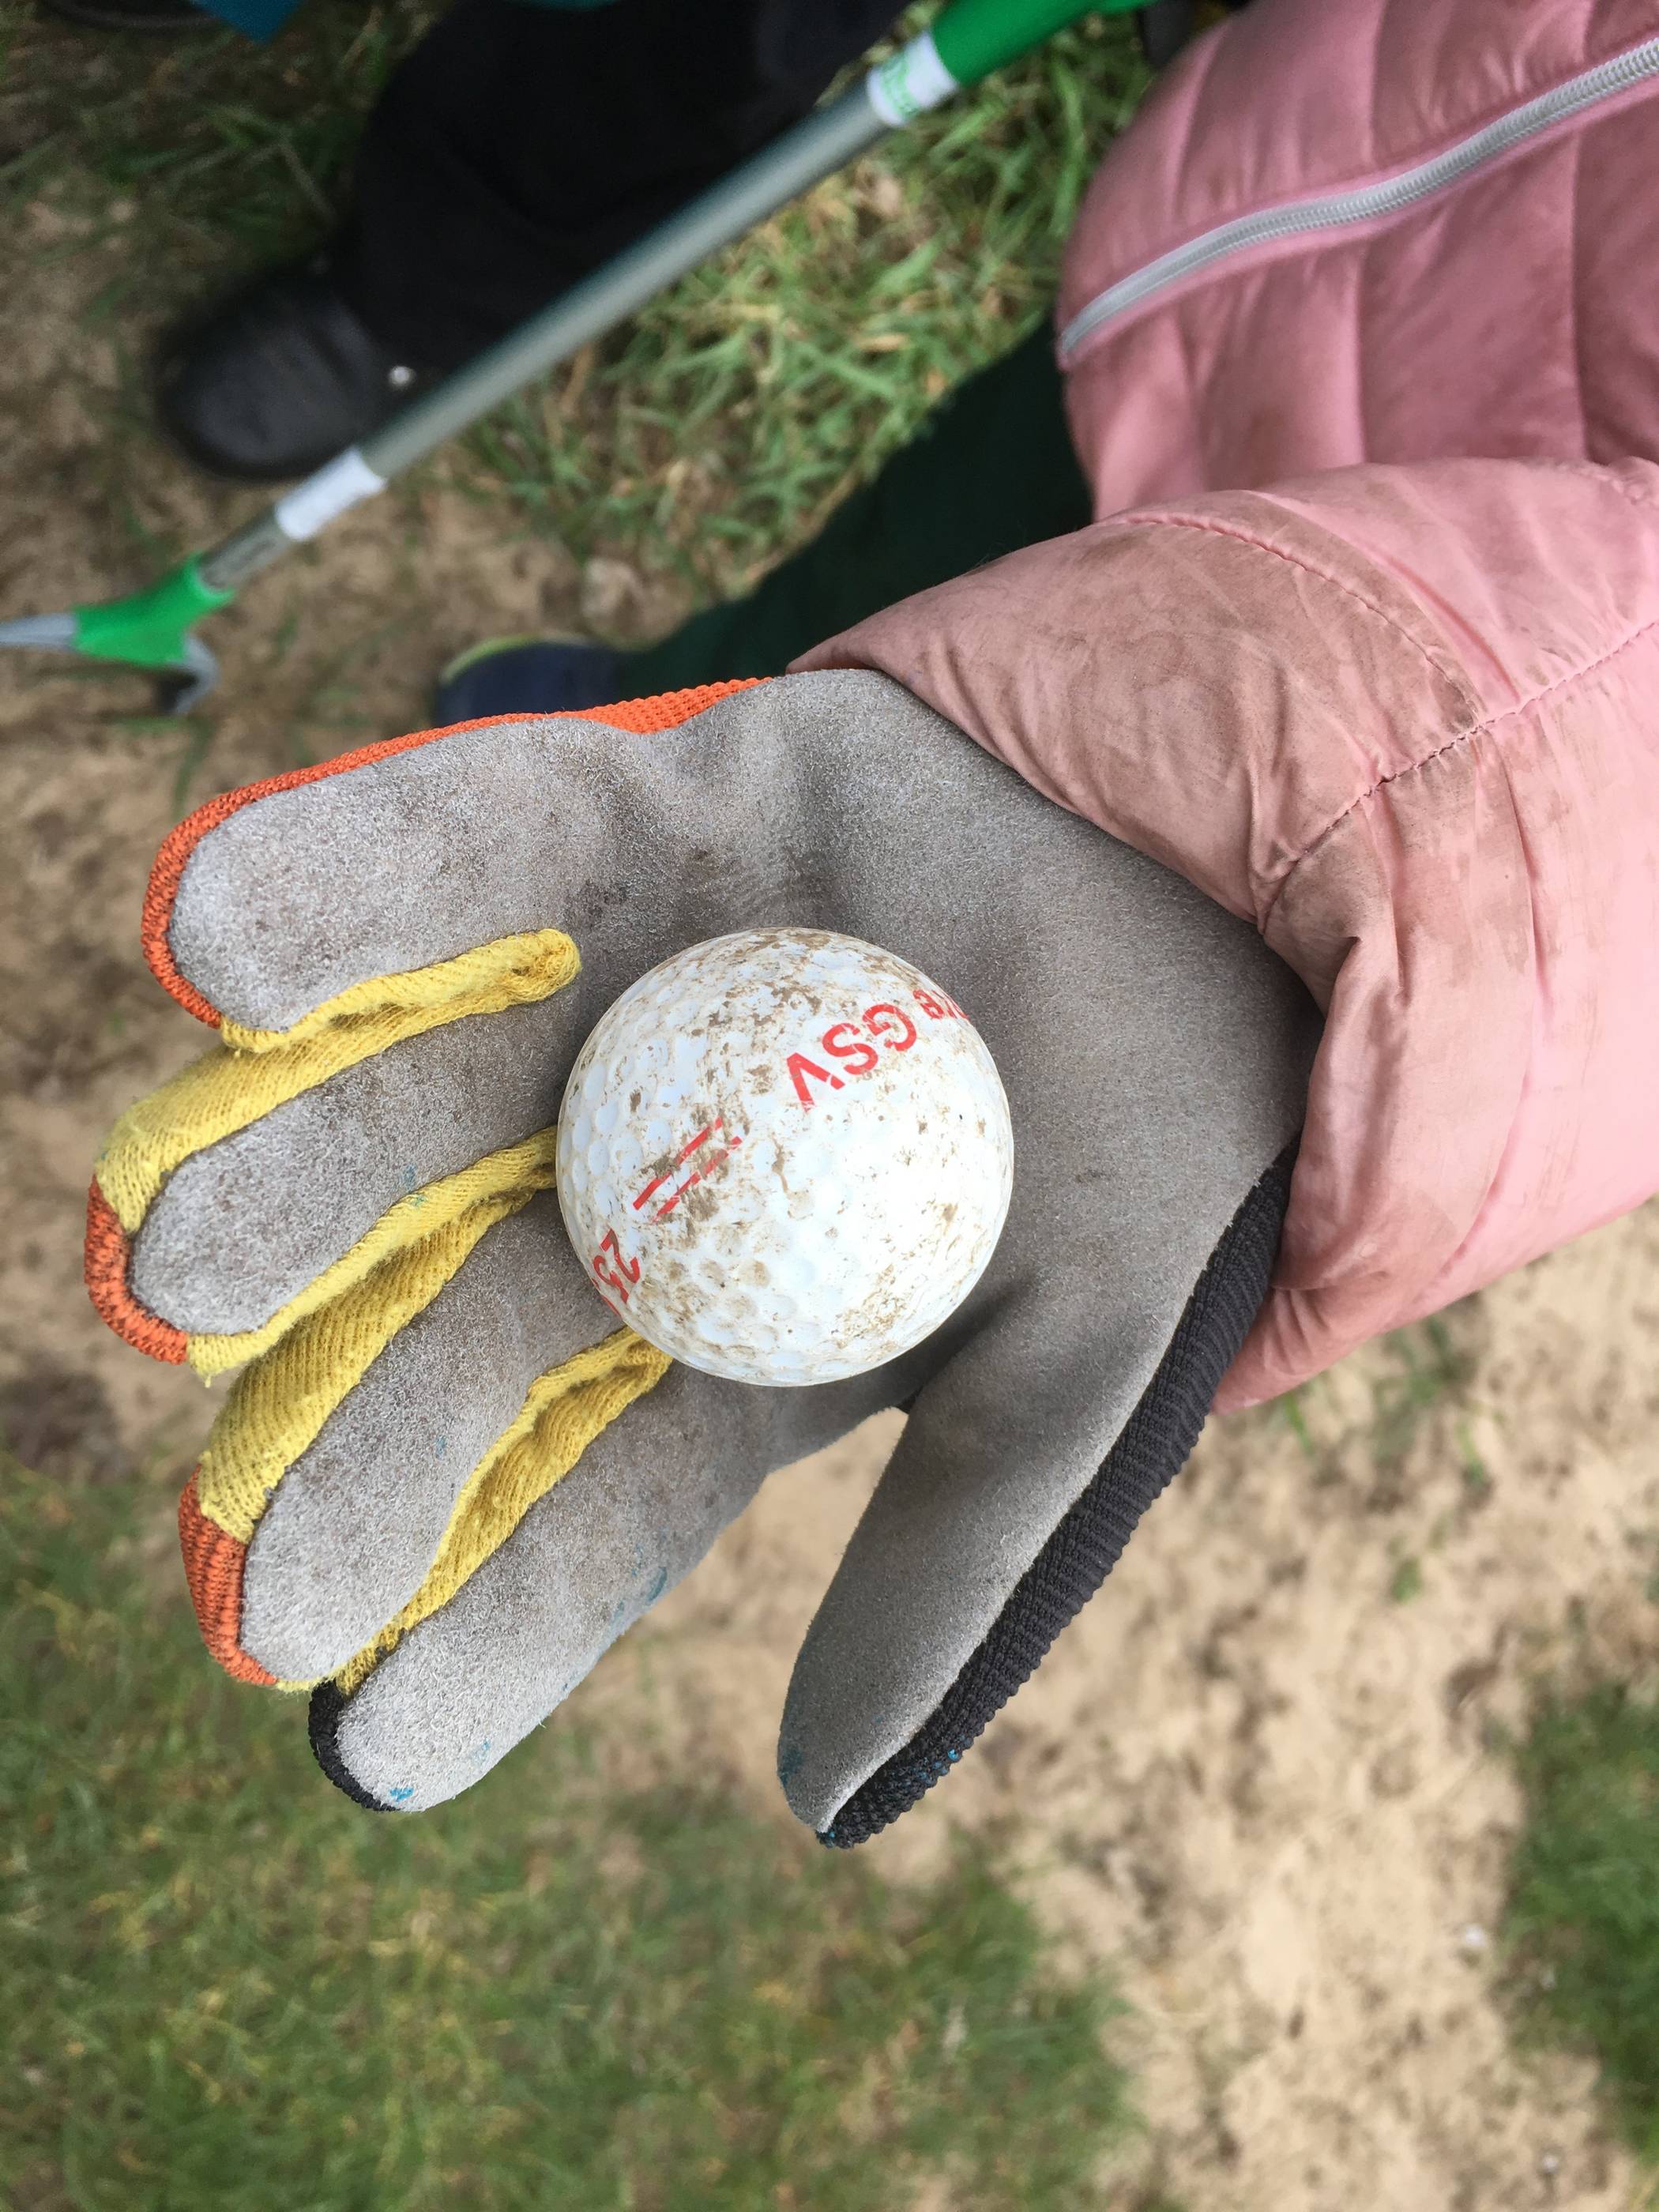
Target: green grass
[
  {"x": 716, "y": 431},
  {"x": 1430, "y": 1368},
  {"x": 722, "y": 427},
  {"x": 1416, "y": 1391},
  {"x": 1406, "y": 1582},
  {"x": 222, "y": 1986},
  {"x": 1582, "y": 1919},
  {"x": 204, "y": 146}
]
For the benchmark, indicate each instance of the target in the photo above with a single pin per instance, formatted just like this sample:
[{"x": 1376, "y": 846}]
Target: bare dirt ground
[{"x": 1257, "y": 1777}]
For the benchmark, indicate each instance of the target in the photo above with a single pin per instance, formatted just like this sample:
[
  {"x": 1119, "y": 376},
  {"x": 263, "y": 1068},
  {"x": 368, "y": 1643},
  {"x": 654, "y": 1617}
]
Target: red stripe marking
[
  {"x": 662, "y": 1211},
  {"x": 701, "y": 1138},
  {"x": 680, "y": 1158},
  {"x": 708, "y": 1167}
]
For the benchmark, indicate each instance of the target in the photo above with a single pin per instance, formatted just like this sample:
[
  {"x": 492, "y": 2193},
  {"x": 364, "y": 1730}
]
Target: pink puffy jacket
[{"x": 1403, "y": 716}]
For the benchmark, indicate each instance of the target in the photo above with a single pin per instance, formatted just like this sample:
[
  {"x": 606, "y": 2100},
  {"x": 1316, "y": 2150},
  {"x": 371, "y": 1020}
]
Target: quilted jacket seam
[{"x": 1484, "y": 727}]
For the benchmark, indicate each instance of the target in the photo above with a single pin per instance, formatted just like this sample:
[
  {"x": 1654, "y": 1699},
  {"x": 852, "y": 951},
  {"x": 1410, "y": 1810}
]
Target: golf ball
[{"x": 784, "y": 1155}]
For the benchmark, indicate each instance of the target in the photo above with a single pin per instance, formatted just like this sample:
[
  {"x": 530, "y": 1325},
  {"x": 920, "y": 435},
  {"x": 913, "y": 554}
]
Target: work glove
[{"x": 446, "y": 1480}]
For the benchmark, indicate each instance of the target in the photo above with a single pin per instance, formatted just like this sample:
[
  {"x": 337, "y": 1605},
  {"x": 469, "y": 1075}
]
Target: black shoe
[
  {"x": 277, "y": 380},
  {"x": 133, "y": 15},
  {"x": 531, "y": 676}
]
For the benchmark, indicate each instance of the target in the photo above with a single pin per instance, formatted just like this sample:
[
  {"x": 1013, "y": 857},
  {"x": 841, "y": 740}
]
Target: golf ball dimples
[{"x": 784, "y": 1155}]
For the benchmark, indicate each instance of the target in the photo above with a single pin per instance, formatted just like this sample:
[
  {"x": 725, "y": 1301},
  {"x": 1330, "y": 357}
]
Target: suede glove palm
[{"x": 445, "y": 1481}]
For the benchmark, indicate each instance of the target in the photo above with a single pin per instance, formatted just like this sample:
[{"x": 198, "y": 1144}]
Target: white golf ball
[{"x": 784, "y": 1155}]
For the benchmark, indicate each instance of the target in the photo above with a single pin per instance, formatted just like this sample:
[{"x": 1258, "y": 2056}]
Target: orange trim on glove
[
  {"x": 645, "y": 717},
  {"x": 213, "y": 1568},
  {"x": 109, "y": 1249}
]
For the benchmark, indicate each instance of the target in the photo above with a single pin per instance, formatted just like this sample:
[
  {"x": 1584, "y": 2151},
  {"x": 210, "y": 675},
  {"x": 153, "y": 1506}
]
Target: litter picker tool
[{"x": 155, "y": 628}]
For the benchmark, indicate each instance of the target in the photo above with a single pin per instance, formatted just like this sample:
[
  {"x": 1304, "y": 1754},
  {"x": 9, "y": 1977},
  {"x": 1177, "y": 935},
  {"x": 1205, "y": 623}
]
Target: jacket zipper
[{"x": 1334, "y": 210}]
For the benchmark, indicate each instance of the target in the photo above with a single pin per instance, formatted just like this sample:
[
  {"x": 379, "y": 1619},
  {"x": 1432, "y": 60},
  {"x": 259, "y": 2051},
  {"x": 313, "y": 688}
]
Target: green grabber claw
[{"x": 146, "y": 630}]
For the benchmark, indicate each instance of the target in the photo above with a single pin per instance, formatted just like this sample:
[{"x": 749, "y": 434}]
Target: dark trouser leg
[
  {"x": 519, "y": 146},
  {"x": 993, "y": 471}
]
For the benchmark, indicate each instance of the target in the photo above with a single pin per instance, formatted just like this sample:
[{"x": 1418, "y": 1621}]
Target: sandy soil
[{"x": 1254, "y": 1777}]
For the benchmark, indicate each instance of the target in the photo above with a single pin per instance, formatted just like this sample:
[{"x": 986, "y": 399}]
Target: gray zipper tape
[{"x": 1365, "y": 202}]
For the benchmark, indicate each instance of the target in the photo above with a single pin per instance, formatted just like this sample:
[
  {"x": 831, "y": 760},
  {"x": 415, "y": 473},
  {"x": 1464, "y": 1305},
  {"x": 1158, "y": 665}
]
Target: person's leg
[
  {"x": 993, "y": 471},
  {"x": 518, "y": 147}
]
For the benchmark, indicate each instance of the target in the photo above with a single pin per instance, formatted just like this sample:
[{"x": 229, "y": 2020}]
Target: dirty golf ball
[{"x": 784, "y": 1155}]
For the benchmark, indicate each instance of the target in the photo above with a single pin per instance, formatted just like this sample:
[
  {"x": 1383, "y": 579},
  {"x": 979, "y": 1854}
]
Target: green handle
[
  {"x": 149, "y": 629},
  {"x": 975, "y": 37}
]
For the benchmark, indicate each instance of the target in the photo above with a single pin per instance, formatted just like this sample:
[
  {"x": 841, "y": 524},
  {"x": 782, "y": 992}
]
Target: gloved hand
[{"x": 447, "y": 1482}]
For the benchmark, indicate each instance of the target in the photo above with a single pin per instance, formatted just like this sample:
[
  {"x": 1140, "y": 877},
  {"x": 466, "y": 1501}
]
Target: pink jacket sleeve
[{"x": 1406, "y": 720}]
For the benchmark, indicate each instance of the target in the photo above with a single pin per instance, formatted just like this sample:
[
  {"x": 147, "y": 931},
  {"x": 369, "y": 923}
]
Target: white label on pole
[
  {"x": 340, "y": 483},
  {"x": 912, "y": 81}
]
